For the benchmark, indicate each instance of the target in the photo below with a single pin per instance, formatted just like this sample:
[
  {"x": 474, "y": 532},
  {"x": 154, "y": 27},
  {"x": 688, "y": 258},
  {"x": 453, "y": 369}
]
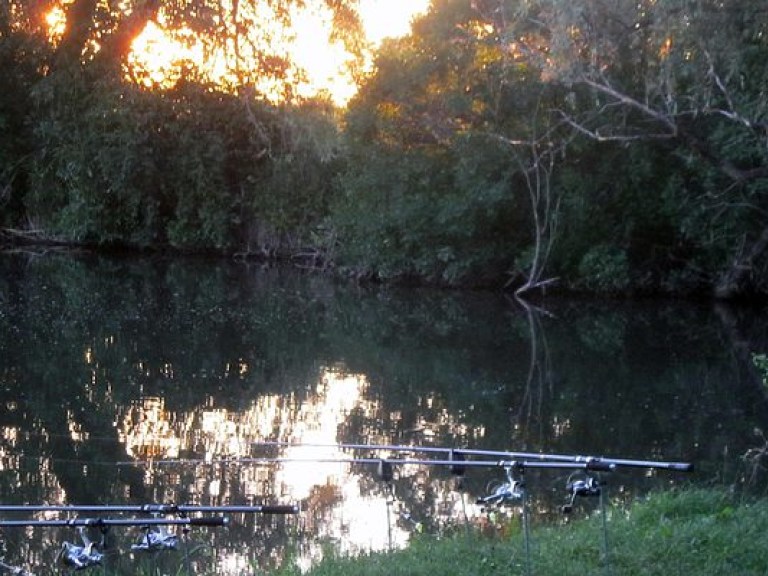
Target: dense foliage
[
  {"x": 614, "y": 147},
  {"x": 194, "y": 169}
]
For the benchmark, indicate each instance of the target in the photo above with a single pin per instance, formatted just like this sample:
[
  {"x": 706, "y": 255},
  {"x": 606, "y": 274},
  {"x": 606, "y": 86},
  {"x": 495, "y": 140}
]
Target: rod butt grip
[{"x": 209, "y": 521}]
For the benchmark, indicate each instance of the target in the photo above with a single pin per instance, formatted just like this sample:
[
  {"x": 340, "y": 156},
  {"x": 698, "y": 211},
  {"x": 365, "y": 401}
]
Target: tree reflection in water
[{"x": 108, "y": 360}]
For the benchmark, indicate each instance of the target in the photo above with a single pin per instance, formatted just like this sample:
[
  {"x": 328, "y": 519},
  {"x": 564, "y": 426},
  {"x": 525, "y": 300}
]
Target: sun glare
[
  {"x": 56, "y": 21},
  {"x": 159, "y": 58},
  {"x": 156, "y": 59},
  {"x": 325, "y": 63},
  {"x": 389, "y": 18}
]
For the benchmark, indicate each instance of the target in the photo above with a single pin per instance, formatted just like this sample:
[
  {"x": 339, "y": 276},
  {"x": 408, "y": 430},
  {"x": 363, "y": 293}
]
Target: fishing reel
[
  {"x": 586, "y": 487},
  {"x": 505, "y": 492},
  {"x": 80, "y": 557},
  {"x": 14, "y": 570},
  {"x": 412, "y": 522},
  {"x": 156, "y": 540}
]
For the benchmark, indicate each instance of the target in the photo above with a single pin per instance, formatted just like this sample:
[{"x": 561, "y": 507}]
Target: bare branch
[
  {"x": 730, "y": 113},
  {"x": 636, "y": 104},
  {"x": 595, "y": 135},
  {"x": 530, "y": 286}
]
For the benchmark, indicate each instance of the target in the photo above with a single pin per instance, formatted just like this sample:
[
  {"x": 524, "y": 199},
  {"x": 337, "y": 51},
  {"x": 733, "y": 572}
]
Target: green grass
[{"x": 697, "y": 532}]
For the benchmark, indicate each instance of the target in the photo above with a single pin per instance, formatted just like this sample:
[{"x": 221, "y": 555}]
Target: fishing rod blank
[
  {"x": 346, "y": 446},
  {"x": 619, "y": 462},
  {"x": 154, "y": 508},
  {"x": 603, "y": 467},
  {"x": 210, "y": 521},
  {"x": 595, "y": 465},
  {"x": 616, "y": 462}
]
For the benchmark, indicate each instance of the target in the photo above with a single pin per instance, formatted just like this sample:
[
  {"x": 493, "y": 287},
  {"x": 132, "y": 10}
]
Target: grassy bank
[{"x": 699, "y": 532}]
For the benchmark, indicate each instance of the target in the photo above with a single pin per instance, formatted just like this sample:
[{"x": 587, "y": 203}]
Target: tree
[
  {"x": 691, "y": 75},
  {"x": 460, "y": 188},
  {"x": 535, "y": 138},
  {"x": 19, "y": 51},
  {"x": 93, "y": 157}
]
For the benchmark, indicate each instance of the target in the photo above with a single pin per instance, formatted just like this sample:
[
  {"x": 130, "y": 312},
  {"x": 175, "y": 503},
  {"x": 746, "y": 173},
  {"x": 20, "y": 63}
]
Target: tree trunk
[
  {"x": 80, "y": 22},
  {"x": 117, "y": 45},
  {"x": 738, "y": 278}
]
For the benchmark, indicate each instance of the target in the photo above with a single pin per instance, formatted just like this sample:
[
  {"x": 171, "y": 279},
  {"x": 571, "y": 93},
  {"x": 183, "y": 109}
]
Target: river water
[{"x": 157, "y": 380}]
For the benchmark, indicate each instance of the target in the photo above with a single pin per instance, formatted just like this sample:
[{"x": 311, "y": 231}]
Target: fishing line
[{"x": 513, "y": 490}]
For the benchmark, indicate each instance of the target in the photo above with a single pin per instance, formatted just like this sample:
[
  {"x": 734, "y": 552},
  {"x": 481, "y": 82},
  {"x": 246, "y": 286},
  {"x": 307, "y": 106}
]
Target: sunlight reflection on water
[{"x": 352, "y": 515}]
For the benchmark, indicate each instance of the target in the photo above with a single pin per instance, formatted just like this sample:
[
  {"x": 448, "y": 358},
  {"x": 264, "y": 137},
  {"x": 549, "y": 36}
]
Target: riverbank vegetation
[
  {"x": 612, "y": 148},
  {"x": 694, "y": 531}
]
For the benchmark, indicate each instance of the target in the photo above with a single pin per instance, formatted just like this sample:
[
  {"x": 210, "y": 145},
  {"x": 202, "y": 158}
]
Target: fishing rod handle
[
  {"x": 280, "y": 509},
  {"x": 682, "y": 466},
  {"x": 652, "y": 464},
  {"x": 209, "y": 521},
  {"x": 599, "y": 466},
  {"x": 234, "y": 509},
  {"x": 181, "y": 509}
]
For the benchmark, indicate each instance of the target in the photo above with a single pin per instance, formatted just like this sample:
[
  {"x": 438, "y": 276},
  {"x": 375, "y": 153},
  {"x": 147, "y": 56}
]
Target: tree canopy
[{"x": 614, "y": 146}]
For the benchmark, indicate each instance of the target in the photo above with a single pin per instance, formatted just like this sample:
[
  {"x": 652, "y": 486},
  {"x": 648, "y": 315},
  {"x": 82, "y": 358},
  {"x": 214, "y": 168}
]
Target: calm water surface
[{"x": 148, "y": 381}]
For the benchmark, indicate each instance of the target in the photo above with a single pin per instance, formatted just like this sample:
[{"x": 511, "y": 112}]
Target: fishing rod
[
  {"x": 209, "y": 521},
  {"x": 594, "y": 460},
  {"x": 533, "y": 456},
  {"x": 154, "y": 508},
  {"x": 455, "y": 463}
]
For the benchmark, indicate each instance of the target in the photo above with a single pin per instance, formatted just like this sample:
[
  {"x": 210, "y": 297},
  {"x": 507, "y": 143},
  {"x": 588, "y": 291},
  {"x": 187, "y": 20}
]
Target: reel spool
[
  {"x": 156, "y": 540},
  {"x": 587, "y": 487},
  {"x": 80, "y": 557}
]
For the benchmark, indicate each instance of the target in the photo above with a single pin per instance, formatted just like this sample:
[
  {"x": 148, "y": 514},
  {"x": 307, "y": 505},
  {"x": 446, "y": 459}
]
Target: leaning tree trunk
[{"x": 741, "y": 275}]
